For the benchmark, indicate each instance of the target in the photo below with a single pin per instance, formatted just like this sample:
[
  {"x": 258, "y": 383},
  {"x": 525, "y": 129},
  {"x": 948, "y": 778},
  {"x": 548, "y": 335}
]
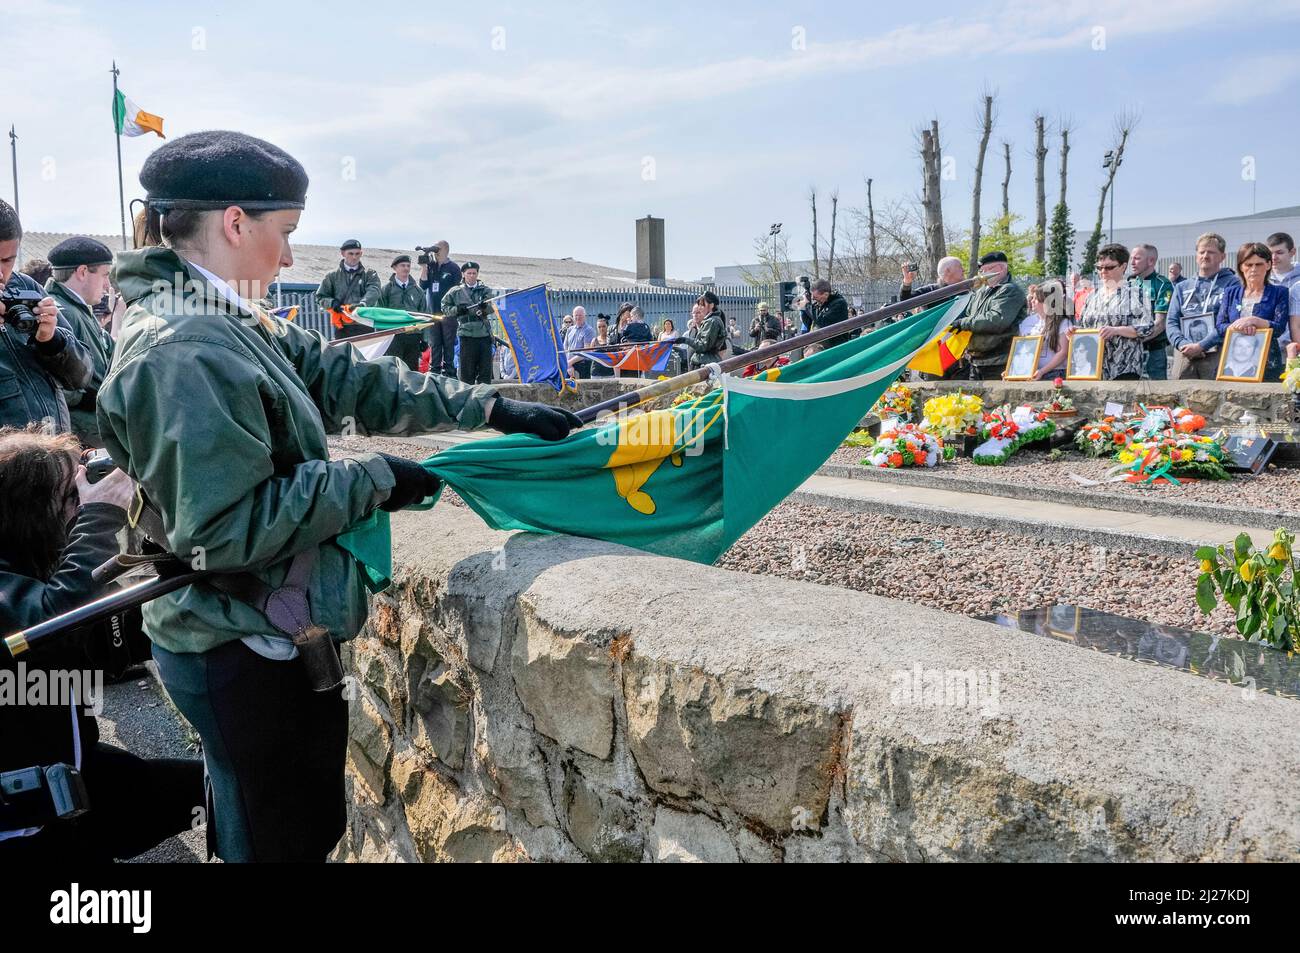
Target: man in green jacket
[
  {"x": 992, "y": 315},
  {"x": 405, "y": 294},
  {"x": 78, "y": 282},
  {"x": 349, "y": 285},
  {"x": 467, "y": 304},
  {"x": 220, "y": 412}
]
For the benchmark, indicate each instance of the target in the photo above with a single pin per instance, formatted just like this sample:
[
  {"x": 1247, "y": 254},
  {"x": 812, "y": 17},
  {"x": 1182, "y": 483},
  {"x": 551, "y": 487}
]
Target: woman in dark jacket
[
  {"x": 55, "y": 528},
  {"x": 1255, "y": 305}
]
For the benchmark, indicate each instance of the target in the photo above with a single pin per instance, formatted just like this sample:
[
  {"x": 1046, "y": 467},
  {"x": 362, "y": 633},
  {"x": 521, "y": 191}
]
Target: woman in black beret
[{"x": 220, "y": 411}]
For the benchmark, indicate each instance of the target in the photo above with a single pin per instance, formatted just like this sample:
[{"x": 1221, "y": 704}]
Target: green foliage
[
  {"x": 1060, "y": 241},
  {"x": 1000, "y": 235},
  {"x": 1090, "y": 251},
  {"x": 1260, "y": 586}
]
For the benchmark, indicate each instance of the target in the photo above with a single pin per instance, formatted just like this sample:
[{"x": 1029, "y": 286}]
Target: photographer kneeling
[{"x": 55, "y": 528}]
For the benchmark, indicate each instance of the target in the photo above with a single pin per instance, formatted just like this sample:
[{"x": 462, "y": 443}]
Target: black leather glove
[
  {"x": 517, "y": 416},
  {"x": 414, "y": 483}
]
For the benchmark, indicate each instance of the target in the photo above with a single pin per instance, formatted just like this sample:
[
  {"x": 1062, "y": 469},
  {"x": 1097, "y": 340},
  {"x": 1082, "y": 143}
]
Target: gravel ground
[
  {"x": 1273, "y": 489},
  {"x": 972, "y": 572},
  {"x": 139, "y": 718}
]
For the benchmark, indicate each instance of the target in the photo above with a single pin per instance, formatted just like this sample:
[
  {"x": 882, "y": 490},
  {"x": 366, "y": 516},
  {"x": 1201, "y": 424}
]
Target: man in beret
[
  {"x": 36, "y": 366},
  {"x": 405, "y": 294},
  {"x": 992, "y": 315},
  {"x": 349, "y": 285},
  {"x": 77, "y": 284},
  {"x": 438, "y": 276},
  {"x": 467, "y": 303}
]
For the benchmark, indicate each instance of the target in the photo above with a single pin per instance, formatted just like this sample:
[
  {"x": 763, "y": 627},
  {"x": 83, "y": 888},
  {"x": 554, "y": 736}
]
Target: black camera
[
  {"x": 18, "y": 309},
  {"x": 913, "y": 267},
  {"x": 425, "y": 258},
  {"x": 40, "y": 794},
  {"x": 98, "y": 465}
]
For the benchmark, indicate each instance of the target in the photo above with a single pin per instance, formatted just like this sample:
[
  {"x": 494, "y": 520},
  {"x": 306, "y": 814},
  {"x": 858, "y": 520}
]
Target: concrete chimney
[{"x": 650, "y": 250}]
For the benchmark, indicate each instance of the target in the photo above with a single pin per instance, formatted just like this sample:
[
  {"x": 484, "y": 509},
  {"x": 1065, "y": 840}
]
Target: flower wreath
[{"x": 906, "y": 445}]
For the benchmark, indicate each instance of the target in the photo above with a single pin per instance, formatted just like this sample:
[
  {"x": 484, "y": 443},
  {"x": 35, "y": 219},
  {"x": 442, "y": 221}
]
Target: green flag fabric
[
  {"x": 386, "y": 319},
  {"x": 691, "y": 480}
]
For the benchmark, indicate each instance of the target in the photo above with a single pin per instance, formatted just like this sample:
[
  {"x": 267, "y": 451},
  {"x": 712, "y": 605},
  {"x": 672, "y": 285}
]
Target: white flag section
[{"x": 376, "y": 348}]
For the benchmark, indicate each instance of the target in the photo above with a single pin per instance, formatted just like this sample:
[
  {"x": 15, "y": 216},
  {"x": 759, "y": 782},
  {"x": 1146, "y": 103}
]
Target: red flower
[
  {"x": 1058, "y": 382},
  {"x": 895, "y": 459}
]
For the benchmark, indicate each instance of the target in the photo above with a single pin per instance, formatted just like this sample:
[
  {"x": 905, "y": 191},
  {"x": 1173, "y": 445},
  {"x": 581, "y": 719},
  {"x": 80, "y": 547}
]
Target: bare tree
[
  {"x": 1006, "y": 181},
  {"x": 1065, "y": 154},
  {"x": 986, "y": 130},
  {"x": 873, "y": 258},
  {"x": 772, "y": 253},
  {"x": 931, "y": 200},
  {"x": 816, "y": 249},
  {"x": 1040, "y": 187},
  {"x": 1125, "y": 123},
  {"x": 830, "y": 258}
]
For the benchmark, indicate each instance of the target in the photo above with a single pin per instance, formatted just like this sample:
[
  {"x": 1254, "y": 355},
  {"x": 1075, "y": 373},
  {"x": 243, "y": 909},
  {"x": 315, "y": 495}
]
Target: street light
[
  {"x": 1111, "y": 163},
  {"x": 772, "y": 232}
]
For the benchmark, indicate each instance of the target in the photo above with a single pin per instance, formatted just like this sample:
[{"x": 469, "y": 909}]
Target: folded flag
[
  {"x": 534, "y": 336},
  {"x": 131, "y": 120},
  {"x": 941, "y": 354},
  {"x": 644, "y": 358},
  {"x": 382, "y": 319},
  {"x": 287, "y": 313}
]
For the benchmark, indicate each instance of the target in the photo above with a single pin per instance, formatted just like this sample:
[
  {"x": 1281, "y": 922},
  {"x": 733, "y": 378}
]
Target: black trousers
[
  {"x": 408, "y": 347},
  {"x": 135, "y": 804},
  {"x": 442, "y": 346},
  {"x": 476, "y": 360},
  {"x": 582, "y": 370},
  {"x": 274, "y": 751}
]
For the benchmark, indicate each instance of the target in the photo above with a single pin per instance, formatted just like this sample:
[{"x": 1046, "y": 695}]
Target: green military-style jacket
[
  {"x": 992, "y": 315},
  {"x": 458, "y": 302},
  {"x": 342, "y": 287},
  {"x": 706, "y": 341},
  {"x": 410, "y": 298},
  {"x": 99, "y": 345},
  {"x": 223, "y": 423}
]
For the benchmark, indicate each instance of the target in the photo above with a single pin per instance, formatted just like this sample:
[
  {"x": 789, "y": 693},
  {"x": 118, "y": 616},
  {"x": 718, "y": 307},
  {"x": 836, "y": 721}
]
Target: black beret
[
  {"x": 992, "y": 257},
  {"x": 399, "y": 259},
  {"x": 219, "y": 168},
  {"x": 80, "y": 250},
  {"x": 350, "y": 244},
  {"x": 470, "y": 264}
]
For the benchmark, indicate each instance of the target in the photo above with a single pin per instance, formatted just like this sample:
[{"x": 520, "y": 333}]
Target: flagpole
[
  {"x": 117, "y": 136},
  {"x": 13, "y": 151},
  {"x": 815, "y": 336}
]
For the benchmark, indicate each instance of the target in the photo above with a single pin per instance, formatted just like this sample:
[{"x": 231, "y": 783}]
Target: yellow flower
[
  {"x": 1247, "y": 570},
  {"x": 1207, "y": 565},
  {"x": 1187, "y": 454},
  {"x": 1279, "y": 551}
]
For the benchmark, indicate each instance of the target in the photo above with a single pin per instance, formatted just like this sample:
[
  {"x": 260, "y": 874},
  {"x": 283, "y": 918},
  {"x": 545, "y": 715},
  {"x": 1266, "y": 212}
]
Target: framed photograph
[
  {"x": 1197, "y": 329},
  {"x": 1022, "y": 362},
  {"x": 1084, "y": 360},
  {"x": 1245, "y": 356}
]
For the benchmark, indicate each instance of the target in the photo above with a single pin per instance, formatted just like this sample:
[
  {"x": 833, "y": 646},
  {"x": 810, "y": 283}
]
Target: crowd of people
[{"x": 1151, "y": 327}]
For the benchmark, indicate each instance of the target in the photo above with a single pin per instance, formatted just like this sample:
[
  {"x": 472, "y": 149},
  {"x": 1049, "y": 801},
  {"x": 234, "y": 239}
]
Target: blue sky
[{"x": 529, "y": 129}]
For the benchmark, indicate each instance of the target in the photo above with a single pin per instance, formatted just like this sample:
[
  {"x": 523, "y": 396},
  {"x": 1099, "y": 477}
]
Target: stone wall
[
  {"x": 1221, "y": 402},
  {"x": 521, "y": 697}
]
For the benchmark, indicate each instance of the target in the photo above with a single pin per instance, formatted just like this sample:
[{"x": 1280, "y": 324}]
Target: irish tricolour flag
[{"x": 131, "y": 120}]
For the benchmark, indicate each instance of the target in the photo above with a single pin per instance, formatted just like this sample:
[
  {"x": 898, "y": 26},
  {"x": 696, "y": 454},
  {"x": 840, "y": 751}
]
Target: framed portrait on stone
[
  {"x": 1084, "y": 360},
  {"x": 1022, "y": 362},
  {"x": 1197, "y": 329},
  {"x": 1245, "y": 356}
]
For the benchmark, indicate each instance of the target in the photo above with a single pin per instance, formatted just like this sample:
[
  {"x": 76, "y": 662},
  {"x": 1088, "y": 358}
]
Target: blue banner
[{"x": 534, "y": 336}]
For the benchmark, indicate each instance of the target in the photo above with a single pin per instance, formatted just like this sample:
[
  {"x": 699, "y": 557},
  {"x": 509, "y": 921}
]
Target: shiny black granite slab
[{"x": 1249, "y": 665}]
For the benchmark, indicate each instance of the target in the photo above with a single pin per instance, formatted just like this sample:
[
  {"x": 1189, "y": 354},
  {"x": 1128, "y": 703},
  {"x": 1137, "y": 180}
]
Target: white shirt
[{"x": 1033, "y": 325}]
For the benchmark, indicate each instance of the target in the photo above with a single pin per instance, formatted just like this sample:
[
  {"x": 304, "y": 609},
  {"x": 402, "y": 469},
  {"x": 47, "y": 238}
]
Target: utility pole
[
  {"x": 13, "y": 152},
  {"x": 1111, "y": 162}
]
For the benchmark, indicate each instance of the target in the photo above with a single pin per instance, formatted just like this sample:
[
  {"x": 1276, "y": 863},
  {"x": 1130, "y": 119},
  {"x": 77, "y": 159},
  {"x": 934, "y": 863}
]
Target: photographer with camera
[
  {"x": 950, "y": 272},
  {"x": 64, "y": 795},
  {"x": 40, "y": 356},
  {"x": 824, "y": 307},
  {"x": 438, "y": 275},
  {"x": 467, "y": 303},
  {"x": 77, "y": 284}
]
